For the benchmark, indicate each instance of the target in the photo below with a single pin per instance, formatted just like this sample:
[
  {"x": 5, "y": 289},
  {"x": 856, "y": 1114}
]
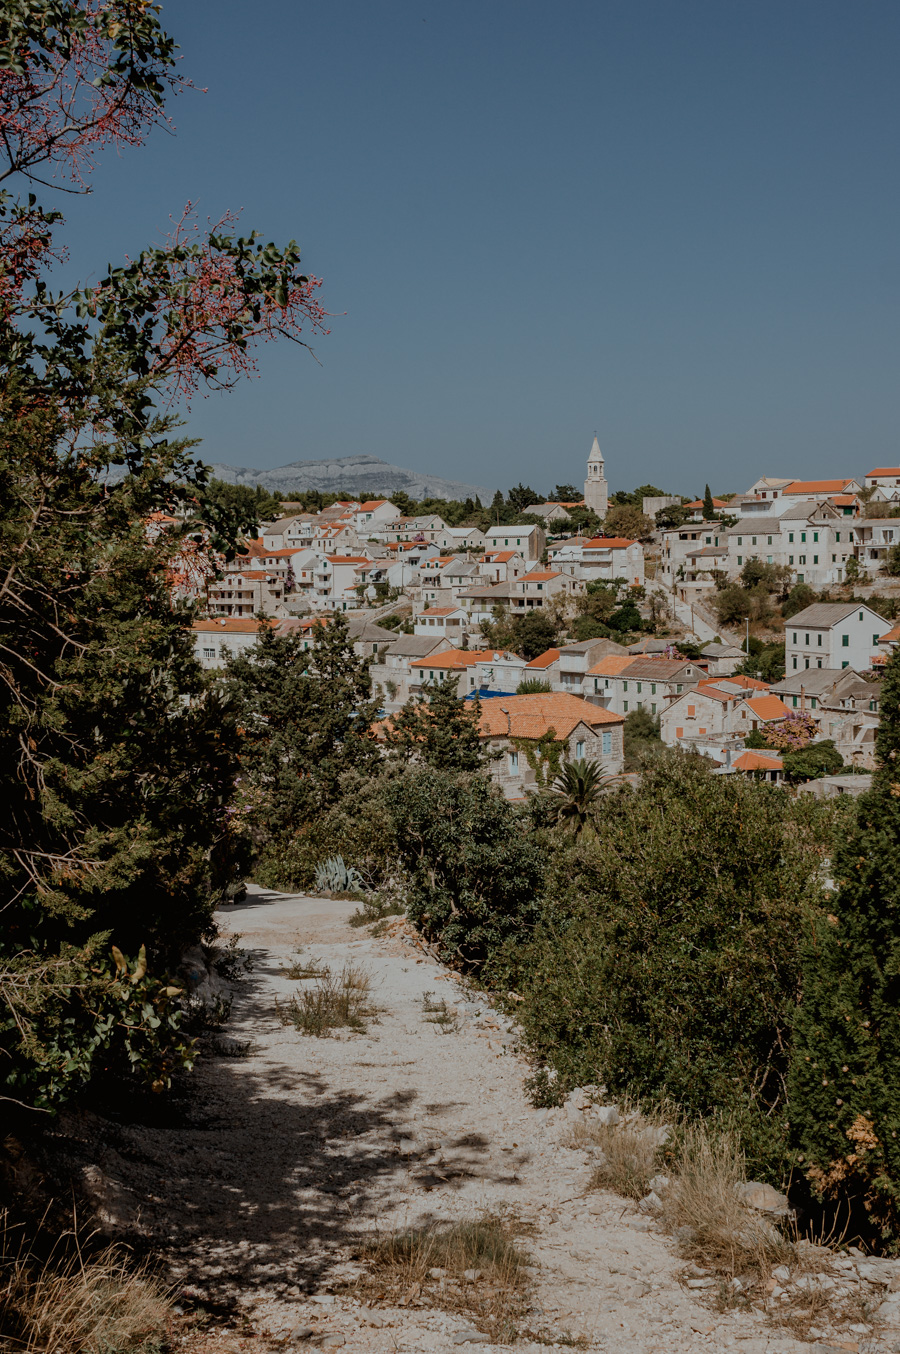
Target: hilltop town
[{"x": 559, "y": 619}]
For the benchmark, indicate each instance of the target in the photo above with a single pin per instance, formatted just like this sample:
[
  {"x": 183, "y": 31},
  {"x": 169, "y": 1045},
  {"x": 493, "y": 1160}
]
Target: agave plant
[
  {"x": 576, "y": 791},
  {"x": 335, "y": 876}
]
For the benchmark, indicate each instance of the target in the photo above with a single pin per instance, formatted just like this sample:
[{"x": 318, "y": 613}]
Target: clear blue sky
[{"x": 672, "y": 221}]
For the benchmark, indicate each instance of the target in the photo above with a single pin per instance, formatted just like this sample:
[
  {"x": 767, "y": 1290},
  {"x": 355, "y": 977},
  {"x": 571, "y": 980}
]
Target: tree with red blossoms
[
  {"x": 792, "y": 733},
  {"x": 117, "y": 756}
]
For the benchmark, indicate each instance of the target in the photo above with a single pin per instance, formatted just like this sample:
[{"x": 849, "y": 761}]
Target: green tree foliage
[
  {"x": 666, "y": 962},
  {"x": 628, "y": 521},
  {"x": 521, "y": 496},
  {"x": 709, "y": 510},
  {"x": 642, "y": 738},
  {"x": 576, "y": 792},
  {"x": 673, "y": 516},
  {"x": 254, "y": 505},
  {"x": 475, "y": 873},
  {"x": 845, "y": 1070},
  {"x": 765, "y": 661},
  {"x": 306, "y": 718},
  {"x": 818, "y": 759},
  {"x": 441, "y": 731},
  {"x": 800, "y": 596},
  {"x": 565, "y": 493},
  {"x": 732, "y": 604},
  {"x": 635, "y": 497},
  {"x": 533, "y": 686}
]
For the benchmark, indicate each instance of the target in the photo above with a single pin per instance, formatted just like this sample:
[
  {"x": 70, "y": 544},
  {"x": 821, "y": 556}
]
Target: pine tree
[
  {"x": 844, "y": 1084},
  {"x": 441, "y": 731},
  {"x": 709, "y": 508}
]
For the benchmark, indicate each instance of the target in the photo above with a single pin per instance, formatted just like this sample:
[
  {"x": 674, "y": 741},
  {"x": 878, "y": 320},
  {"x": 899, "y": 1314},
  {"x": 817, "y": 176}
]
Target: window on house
[
  {"x": 625, "y": 707},
  {"x": 806, "y": 638},
  {"x": 819, "y": 641},
  {"x": 806, "y": 662},
  {"x": 513, "y": 761},
  {"x": 837, "y": 535},
  {"x": 740, "y": 559},
  {"x": 800, "y": 578},
  {"x": 812, "y": 702},
  {"x": 801, "y": 559},
  {"x": 795, "y": 662},
  {"x": 701, "y": 731},
  {"x": 845, "y": 641},
  {"x": 845, "y": 664},
  {"x": 607, "y": 742},
  {"x": 873, "y": 705},
  {"x": 803, "y": 537},
  {"x": 209, "y": 653},
  {"x": 795, "y": 702},
  {"x": 579, "y": 750},
  {"x": 818, "y": 662},
  {"x": 740, "y": 540},
  {"x": 679, "y": 733},
  {"x": 692, "y": 710},
  {"x": 860, "y": 615},
  {"x": 640, "y": 687},
  {"x": 753, "y": 541},
  {"x": 768, "y": 540},
  {"x": 678, "y": 688},
  {"x": 624, "y": 686},
  {"x": 791, "y": 537},
  {"x": 652, "y": 688}
]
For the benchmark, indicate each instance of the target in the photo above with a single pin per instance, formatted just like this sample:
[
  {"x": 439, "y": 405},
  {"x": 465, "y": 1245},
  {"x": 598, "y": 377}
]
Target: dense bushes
[
  {"x": 666, "y": 961},
  {"x": 845, "y": 1077},
  {"x": 475, "y": 874}
]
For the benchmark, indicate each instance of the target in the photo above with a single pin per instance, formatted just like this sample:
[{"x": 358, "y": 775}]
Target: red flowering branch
[{"x": 75, "y": 75}]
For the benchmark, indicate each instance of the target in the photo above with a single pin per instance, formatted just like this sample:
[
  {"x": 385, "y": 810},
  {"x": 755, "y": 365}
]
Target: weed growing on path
[
  {"x": 439, "y": 1013},
  {"x": 475, "y": 1268},
  {"x": 306, "y": 968},
  {"x": 628, "y": 1153},
  {"x": 341, "y": 1001}
]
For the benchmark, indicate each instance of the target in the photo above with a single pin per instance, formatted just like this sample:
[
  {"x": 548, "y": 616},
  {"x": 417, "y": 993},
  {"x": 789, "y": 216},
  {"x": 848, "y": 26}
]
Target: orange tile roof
[
  {"x": 611, "y": 666},
  {"x": 347, "y": 559},
  {"x": 533, "y": 716},
  {"x": 230, "y": 625},
  {"x": 768, "y": 707},
  {"x": 892, "y": 636},
  {"x": 607, "y": 543},
  {"x": 500, "y": 556},
  {"x": 370, "y": 504},
  {"x": 544, "y": 660},
  {"x": 816, "y": 486},
  {"x": 756, "y": 761},
  {"x": 882, "y": 470},
  {"x": 844, "y": 500},
  {"x": 454, "y": 658},
  {"x": 540, "y": 577},
  {"x": 698, "y": 503},
  {"x": 438, "y": 611}
]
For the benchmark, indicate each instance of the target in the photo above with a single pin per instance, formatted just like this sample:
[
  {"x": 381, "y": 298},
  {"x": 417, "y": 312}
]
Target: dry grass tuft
[
  {"x": 341, "y": 1001},
  {"x": 306, "y": 968},
  {"x": 475, "y": 1268},
  {"x": 628, "y": 1154},
  {"x": 75, "y": 1305},
  {"x": 704, "y": 1209}
]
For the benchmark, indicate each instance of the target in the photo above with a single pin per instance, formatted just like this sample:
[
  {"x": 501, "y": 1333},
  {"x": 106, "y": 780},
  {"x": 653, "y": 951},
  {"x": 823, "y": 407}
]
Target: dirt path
[{"x": 280, "y": 1160}]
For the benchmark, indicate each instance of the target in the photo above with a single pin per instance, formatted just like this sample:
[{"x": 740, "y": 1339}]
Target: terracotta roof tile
[
  {"x": 756, "y": 761},
  {"x": 544, "y": 660},
  {"x": 768, "y": 707},
  {"x": 533, "y": 716}
]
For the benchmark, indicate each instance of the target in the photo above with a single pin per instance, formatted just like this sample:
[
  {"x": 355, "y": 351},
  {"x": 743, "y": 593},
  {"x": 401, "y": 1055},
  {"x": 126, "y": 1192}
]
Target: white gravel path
[{"x": 290, "y": 1153}]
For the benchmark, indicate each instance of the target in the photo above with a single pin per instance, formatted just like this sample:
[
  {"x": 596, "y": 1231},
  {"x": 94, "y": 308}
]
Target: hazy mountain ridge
[{"x": 361, "y": 475}]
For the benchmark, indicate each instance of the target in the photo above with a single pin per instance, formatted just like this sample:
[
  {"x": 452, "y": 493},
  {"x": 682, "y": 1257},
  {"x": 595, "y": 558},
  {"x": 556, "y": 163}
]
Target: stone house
[
  {"x": 394, "y": 679},
  {"x": 535, "y": 735},
  {"x": 451, "y": 622}
]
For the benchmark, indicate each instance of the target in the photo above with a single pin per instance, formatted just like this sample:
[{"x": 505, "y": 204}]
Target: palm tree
[{"x": 576, "y": 791}]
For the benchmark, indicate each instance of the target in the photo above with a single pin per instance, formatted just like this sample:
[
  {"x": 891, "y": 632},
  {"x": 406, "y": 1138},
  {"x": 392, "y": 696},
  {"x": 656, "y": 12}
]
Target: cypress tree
[
  {"x": 709, "y": 508},
  {"x": 844, "y": 1082}
]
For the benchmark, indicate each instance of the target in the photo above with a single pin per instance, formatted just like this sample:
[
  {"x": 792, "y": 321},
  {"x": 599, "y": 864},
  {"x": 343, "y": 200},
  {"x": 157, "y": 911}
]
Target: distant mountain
[{"x": 363, "y": 476}]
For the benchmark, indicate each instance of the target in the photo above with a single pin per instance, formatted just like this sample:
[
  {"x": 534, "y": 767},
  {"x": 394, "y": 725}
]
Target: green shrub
[
  {"x": 666, "y": 960},
  {"x": 845, "y": 1070},
  {"x": 475, "y": 876}
]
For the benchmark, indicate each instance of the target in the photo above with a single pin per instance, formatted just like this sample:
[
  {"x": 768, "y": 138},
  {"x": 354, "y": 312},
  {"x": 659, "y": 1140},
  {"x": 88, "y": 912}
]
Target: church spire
[{"x": 596, "y": 489}]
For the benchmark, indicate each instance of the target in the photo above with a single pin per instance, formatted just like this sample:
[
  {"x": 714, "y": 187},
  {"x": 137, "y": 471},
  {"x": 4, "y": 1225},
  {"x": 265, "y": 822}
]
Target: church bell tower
[{"x": 596, "y": 489}]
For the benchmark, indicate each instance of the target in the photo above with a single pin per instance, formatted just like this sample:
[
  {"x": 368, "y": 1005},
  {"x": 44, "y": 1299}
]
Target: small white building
[
  {"x": 833, "y": 635},
  {"x": 217, "y": 640},
  {"x": 450, "y": 622}
]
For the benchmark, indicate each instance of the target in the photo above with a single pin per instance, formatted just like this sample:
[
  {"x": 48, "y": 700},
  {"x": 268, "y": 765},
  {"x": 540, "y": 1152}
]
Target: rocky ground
[{"x": 287, "y": 1150}]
